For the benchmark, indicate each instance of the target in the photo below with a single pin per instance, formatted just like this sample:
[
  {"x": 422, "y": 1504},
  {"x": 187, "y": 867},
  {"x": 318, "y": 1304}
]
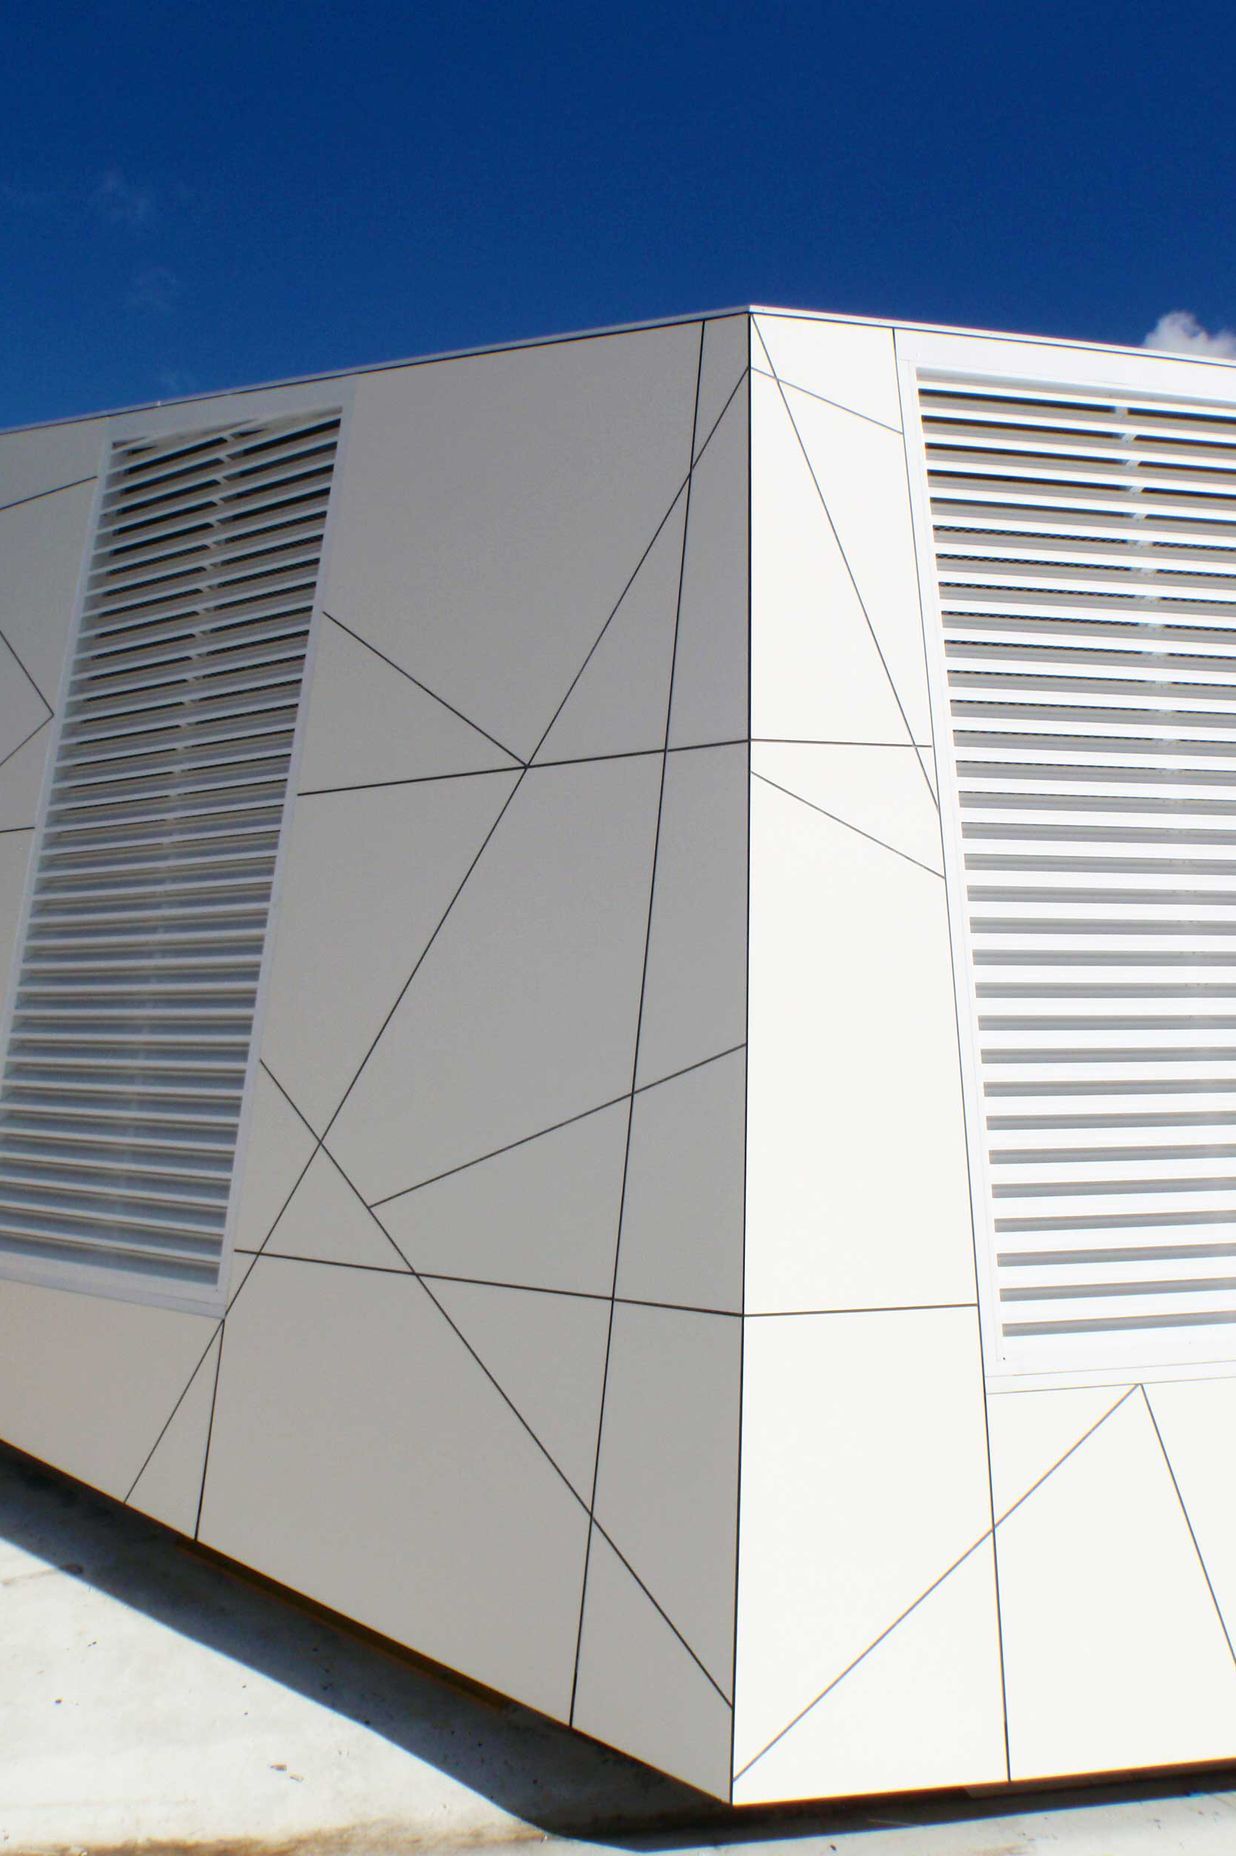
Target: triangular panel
[
  {"x": 922, "y": 1708},
  {"x": 369, "y": 723},
  {"x": 1197, "y": 1422},
  {"x": 21, "y": 780},
  {"x": 864, "y": 1479},
  {"x": 277, "y": 1150},
  {"x": 620, "y": 703},
  {"x": 43, "y": 543},
  {"x": 682, "y": 1208},
  {"x": 851, "y": 994},
  {"x": 361, "y": 1456},
  {"x": 547, "y": 1352},
  {"x": 1029, "y": 1432},
  {"x": 695, "y": 988},
  {"x": 638, "y": 1688},
  {"x": 87, "y": 1381},
  {"x": 1114, "y": 1652},
  {"x": 817, "y": 673},
  {"x": 667, "y": 1481},
  {"x": 878, "y": 791},
  {"x": 543, "y": 1214},
  {"x": 861, "y": 473},
  {"x": 325, "y": 1222},
  {"x": 21, "y": 709},
  {"x": 170, "y": 1486},
  {"x": 524, "y": 1012},
  {"x": 494, "y": 507},
  {"x": 40, "y": 460},
  {"x": 727, "y": 345},
  {"x": 710, "y": 663},
  {"x": 369, "y": 876},
  {"x": 853, "y": 366}
]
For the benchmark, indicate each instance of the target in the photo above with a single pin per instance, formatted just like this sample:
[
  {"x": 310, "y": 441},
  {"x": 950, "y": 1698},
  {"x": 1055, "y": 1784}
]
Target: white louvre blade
[
  {"x": 131, "y": 1033},
  {"x": 1084, "y": 545}
]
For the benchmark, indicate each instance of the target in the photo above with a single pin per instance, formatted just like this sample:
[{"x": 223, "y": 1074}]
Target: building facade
[{"x": 618, "y": 1060}]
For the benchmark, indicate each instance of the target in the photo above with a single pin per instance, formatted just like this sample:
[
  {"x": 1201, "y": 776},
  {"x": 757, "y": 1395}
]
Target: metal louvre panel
[
  {"x": 1085, "y": 552},
  {"x": 133, "y": 1019}
]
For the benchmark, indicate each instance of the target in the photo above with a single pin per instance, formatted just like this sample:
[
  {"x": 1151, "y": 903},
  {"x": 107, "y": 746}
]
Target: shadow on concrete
[{"x": 558, "y": 1782}]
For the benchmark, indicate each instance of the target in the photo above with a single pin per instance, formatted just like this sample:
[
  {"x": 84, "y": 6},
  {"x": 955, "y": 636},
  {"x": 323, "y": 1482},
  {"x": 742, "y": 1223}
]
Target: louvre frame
[
  {"x": 1180, "y": 727},
  {"x": 190, "y": 965}
]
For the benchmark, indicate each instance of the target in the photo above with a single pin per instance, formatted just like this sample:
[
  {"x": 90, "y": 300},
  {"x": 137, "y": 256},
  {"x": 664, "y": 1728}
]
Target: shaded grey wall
[{"x": 477, "y": 1385}]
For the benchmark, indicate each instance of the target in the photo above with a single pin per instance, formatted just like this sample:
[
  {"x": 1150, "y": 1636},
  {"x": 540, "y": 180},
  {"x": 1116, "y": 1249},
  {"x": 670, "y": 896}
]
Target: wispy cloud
[
  {"x": 155, "y": 289},
  {"x": 117, "y": 200},
  {"x": 174, "y": 383},
  {"x": 20, "y": 199},
  {"x": 111, "y": 198},
  {"x": 1180, "y": 332}
]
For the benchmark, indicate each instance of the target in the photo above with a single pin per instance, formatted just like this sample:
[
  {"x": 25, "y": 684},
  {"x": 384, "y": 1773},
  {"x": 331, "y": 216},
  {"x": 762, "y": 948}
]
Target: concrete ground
[{"x": 153, "y": 1701}]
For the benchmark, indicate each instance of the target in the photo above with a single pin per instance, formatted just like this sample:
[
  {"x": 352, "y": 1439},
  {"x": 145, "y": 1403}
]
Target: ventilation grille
[
  {"x": 130, "y": 1037},
  {"x": 1086, "y": 555}
]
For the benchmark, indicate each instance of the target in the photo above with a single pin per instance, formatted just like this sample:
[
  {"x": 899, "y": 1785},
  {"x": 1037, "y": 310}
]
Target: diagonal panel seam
[
  {"x": 210, "y": 1428},
  {"x": 21, "y": 501},
  {"x": 17, "y": 750},
  {"x": 146, "y": 1461},
  {"x": 555, "y": 1127},
  {"x": 845, "y": 559},
  {"x": 320, "y": 1139},
  {"x": 218, "y": 1326},
  {"x": 414, "y": 1274},
  {"x": 409, "y": 1269},
  {"x": 523, "y": 774},
  {"x": 965, "y": 1118},
  {"x": 796, "y": 386},
  {"x": 425, "y": 951},
  {"x": 849, "y": 825},
  {"x": 481, "y": 773},
  {"x": 683, "y": 487},
  {"x": 254, "y": 1255},
  {"x": 1188, "y": 1521},
  {"x": 4, "y": 639},
  {"x": 864, "y": 1654},
  {"x": 489, "y": 1282},
  {"x": 424, "y": 688},
  {"x": 1071, "y": 1451},
  {"x": 988, "y": 1534},
  {"x": 639, "y": 1019}
]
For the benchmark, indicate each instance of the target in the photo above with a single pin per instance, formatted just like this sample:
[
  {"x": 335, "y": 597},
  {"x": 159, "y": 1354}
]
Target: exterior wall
[
  {"x": 605, "y": 1223},
  {"x": 1115, "y": 1527},
  {"x": 941, "y": 1583},
  {"x": 864, "y": 1464},
  {"x": 477, "y": 1384}
]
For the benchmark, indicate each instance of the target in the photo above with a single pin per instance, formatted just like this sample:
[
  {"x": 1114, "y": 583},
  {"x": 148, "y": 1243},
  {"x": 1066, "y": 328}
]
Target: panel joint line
[{"x": 693, "y": 459}]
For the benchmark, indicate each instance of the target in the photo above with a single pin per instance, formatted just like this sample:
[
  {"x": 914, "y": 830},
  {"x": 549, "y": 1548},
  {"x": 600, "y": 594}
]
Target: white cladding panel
[{"x": 868, "y": 1647}]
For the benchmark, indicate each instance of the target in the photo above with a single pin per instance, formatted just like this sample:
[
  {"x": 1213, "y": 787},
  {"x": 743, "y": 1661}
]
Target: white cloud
[
  {"x": 123, "y": 204},
  {"x": 174, "y": 383},
  {"x": 112, "y": 198},
  {"x": 1180, "y": 332},
  {"x": 156, "y": 288}
]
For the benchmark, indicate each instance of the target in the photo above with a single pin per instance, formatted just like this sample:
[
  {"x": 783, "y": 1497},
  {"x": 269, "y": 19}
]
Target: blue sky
[{"x": 193, "y": 195}]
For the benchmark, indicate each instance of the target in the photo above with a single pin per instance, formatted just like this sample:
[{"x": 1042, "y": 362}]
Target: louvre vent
[
  {"x": 1085, "y": 548},
  {"x": 130, "y": 1037}
]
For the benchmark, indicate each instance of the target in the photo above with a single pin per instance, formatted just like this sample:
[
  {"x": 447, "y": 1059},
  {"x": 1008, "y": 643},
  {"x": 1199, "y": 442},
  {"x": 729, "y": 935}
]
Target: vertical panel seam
[{"x": 639, "y": 1019}]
